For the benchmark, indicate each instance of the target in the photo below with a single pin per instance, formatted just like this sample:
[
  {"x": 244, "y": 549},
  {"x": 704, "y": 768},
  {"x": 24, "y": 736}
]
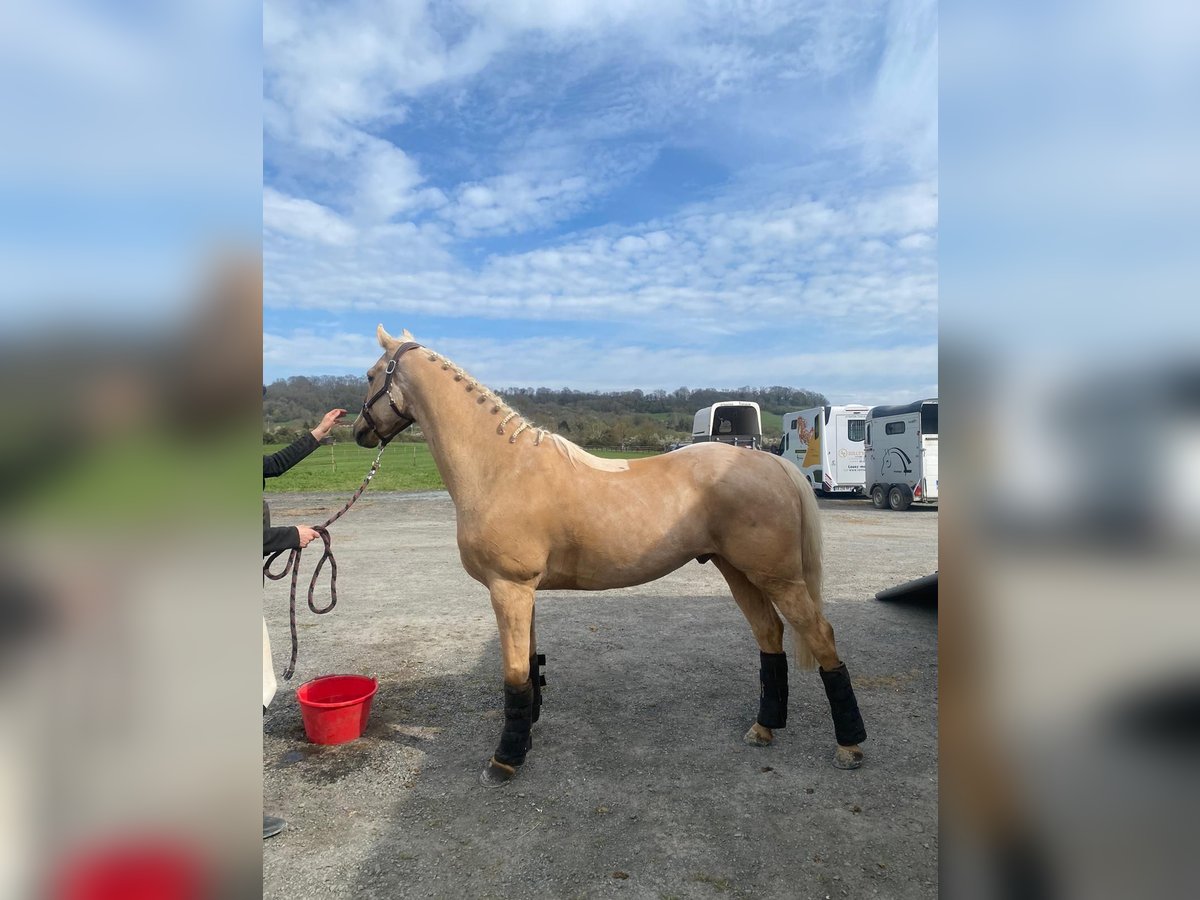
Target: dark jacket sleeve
[
  {"x": 282, "y": 537},
  {"x": 278, "y": 463}
]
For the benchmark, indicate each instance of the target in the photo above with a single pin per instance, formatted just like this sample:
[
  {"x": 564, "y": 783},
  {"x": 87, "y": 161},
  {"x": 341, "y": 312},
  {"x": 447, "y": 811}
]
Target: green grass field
[{"x": 342, "y": 467}]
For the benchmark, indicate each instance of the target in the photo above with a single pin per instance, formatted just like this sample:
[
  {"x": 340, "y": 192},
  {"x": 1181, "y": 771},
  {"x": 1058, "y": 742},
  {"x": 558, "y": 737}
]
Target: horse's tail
[{"x": 810, "y": 550}]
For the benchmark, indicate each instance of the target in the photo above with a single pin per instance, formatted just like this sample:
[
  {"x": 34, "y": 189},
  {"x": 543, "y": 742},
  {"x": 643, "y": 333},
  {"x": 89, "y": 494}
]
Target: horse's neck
[{"x": 457, "y": 430}]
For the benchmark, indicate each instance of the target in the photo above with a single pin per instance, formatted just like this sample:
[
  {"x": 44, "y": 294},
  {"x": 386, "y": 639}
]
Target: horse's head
[{"x": 385, "y": 412}]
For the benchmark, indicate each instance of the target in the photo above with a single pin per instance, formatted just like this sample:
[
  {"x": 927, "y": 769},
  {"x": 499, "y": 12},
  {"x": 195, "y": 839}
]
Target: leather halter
[{"x": 388, "y": 374}]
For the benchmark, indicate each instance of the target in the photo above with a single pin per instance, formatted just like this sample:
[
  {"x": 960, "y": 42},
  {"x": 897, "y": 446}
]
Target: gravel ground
[{"x": 638, "y": 784}]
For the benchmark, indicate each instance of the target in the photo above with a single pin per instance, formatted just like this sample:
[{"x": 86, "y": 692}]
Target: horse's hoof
[
  {"x": 847, "y": 757},
  {"x": 496, "y": 773},
  {"x": 759, "y": 736}
]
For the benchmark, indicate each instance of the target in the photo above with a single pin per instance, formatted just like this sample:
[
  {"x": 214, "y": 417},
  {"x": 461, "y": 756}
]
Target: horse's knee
[{"x": 516, "y": 674}]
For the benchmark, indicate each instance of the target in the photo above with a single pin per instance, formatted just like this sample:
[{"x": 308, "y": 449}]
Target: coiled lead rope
[{"x": 292, "y": 567}]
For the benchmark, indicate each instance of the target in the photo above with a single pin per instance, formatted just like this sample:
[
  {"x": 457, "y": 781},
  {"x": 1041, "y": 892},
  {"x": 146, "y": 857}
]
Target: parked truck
[
  {"x": 826, "y": 444},
  {"x": 737, "y": 422},
  {"x": 902, "y": 454}
]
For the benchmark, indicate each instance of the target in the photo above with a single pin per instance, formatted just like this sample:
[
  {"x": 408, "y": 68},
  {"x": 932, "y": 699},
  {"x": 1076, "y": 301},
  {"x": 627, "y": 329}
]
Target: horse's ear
[
  {"x": 385, "y": 339},
  {"x": 406, "y": 335}
]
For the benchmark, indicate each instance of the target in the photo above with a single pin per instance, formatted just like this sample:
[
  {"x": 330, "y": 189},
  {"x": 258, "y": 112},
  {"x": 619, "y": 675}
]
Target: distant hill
[{"x": 589, "y": 418}]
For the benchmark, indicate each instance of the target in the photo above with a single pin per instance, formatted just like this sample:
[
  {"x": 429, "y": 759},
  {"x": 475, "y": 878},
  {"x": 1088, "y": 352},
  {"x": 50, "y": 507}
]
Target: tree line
[{"x": 589, "y": 418}]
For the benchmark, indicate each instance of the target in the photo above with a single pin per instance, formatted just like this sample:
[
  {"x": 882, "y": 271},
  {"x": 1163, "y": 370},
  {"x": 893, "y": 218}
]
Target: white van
[
  {"x": 902, "y": 454},
  {"x": 736, "y": 422},
  {"x": 826, "y": 444}
]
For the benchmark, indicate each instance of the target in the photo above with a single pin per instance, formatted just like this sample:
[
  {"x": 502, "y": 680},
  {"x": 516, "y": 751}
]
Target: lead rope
[{"x": 293, "y": 566}]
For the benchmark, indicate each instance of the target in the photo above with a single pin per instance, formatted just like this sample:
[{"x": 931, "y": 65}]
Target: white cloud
[
  {"x": 336, "y": 79},
  {"x": 915, "y": 242},
  {"x": 313, "y": 354},
  {"x": 706, "y": 268},
  {"x": 300, "y": 218},
  {"x": 514, "y": 202},
  {"x": 328, "y": 66},
  {"x": 387, "y": 182},
  {"x": 902, "y": 115}
]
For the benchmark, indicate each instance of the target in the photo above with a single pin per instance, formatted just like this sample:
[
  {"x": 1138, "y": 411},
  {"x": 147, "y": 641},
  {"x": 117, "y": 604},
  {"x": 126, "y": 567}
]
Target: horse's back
[{"x": 717, "y": 465}]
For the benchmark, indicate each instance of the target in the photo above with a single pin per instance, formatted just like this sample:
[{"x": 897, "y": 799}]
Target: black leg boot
[
  {"x": 773, "y": 690},
  {"x": 847, "y": 721},
  {"x": 536, "y": 661},
  {"x": 515, "y": 740}
]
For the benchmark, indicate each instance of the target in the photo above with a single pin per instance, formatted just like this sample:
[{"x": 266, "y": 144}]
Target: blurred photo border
[{"x": 130, "y": 352}]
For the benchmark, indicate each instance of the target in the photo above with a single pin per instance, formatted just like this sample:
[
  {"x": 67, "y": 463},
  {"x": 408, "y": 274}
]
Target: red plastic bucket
[
  {"x": 133, "y": 869},
  {"x": 335, "y": 707}
]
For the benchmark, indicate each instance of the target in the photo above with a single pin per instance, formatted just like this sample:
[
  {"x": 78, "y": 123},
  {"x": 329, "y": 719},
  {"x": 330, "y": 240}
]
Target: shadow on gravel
[
  {"x": 638, "y": 783},
  {"x": 919, "y": 592}
]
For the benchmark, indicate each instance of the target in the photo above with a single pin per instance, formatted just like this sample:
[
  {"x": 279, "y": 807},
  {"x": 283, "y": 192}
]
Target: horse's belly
[
  {"x": 594, "y": 568},
  {"x": 606, "y": 579}
]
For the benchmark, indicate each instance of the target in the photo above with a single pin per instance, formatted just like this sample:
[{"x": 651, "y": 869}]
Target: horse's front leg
[{"x": 513, "y": 605}]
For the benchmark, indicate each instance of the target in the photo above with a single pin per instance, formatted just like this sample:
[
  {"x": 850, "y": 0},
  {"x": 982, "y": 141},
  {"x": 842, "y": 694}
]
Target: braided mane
[{"x": 575, "y": 454}]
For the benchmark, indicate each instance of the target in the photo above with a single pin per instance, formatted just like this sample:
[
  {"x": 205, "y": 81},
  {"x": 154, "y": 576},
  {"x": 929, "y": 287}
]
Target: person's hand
[
  {"x": 331, "y": 418},
  {"x": 307, "y": 535}
]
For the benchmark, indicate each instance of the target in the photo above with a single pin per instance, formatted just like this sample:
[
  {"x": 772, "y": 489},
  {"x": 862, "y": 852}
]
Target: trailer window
[
  {"x": 894, "y": 428},
  {"x": 856, "y": 430},
  {"x": 929, "y": 418},
  {"x": 794, "y": 421}
]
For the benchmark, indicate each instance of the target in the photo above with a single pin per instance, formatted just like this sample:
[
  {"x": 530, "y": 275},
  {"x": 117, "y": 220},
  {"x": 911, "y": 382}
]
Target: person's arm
[
  {"x": 287, "y": 537},
  {"x": 278, "y": 463},
  {"x": 280, "y": 537}
]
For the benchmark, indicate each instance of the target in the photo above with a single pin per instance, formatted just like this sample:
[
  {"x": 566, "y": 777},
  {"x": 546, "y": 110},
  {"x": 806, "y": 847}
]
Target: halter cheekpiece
[{"x": 386, "y": 390}]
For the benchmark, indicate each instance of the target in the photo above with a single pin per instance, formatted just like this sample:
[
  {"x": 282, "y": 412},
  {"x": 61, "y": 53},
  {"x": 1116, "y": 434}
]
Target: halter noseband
[{"x": 386, "y": 390}]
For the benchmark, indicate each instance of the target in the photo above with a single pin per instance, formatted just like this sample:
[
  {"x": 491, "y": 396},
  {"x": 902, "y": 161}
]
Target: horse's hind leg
[
  {"x": 814, "y": 636},
  {"x": 768, "y": 632},
  {"x": 513, "y": 605}
]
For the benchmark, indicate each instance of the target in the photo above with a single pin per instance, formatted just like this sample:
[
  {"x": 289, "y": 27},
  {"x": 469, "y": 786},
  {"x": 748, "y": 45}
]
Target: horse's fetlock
[
  {"x": 515, "y": 740},
  {"x": 847, "y": 720}
]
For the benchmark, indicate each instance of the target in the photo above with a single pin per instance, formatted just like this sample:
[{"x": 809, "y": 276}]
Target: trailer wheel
[
  {"x": 899, "y": 498},
  {"x": 878, "y": 497}
]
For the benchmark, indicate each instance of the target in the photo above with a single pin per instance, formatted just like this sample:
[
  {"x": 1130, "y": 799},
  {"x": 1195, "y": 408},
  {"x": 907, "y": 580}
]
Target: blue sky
[{"x": 606, "y": 195}]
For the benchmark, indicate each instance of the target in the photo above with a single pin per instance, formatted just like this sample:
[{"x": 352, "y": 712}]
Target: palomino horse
[{"x": 536, "y": 511}]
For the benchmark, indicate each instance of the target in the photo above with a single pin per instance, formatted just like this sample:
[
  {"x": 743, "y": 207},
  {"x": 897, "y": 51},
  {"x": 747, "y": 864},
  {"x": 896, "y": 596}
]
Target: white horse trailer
[
  {"x": 826, "y": 444},
  {"x": 902, "y": 454},
  {"x": 736, "y": 422}
]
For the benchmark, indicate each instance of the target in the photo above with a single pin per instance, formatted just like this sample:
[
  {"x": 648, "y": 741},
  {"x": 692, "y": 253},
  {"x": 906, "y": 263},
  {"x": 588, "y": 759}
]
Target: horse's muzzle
[{"x": 364, "y": 436}]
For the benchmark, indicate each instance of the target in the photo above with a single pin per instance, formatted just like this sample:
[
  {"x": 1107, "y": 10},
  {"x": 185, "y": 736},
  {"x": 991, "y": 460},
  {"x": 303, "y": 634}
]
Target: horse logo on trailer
[{"x": 896, "y": 461}]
